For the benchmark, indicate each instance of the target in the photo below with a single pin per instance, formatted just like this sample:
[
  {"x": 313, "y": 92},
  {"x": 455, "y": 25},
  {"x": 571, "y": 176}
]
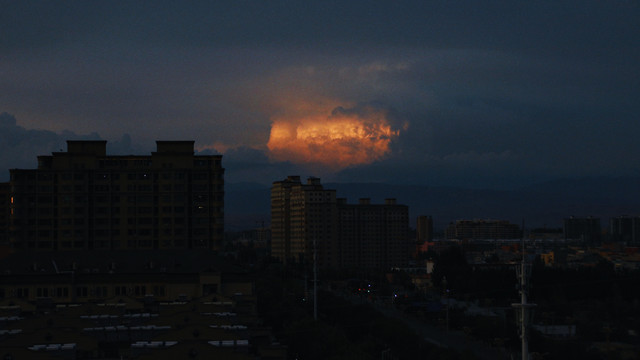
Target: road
[{"x": 456, "y": 340}]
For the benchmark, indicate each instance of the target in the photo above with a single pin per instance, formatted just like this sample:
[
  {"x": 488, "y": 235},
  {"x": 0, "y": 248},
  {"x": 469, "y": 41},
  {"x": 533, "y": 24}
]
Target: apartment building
[
  {"x": 86, "y": 199},
  {"x": 373, "y": 236},
  {"x": 424, "y": 228},
  {"x": 307, "y": 219},
  {"x": 625, "y": 229},
  {"x": 303, "y": 214}
]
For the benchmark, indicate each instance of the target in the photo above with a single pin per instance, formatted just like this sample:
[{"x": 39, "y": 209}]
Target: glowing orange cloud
[{"x": 336, "y": 139}]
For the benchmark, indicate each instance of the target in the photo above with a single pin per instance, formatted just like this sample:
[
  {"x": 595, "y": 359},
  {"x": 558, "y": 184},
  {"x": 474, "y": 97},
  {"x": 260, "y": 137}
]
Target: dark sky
[{"x": 479, "y": 93}]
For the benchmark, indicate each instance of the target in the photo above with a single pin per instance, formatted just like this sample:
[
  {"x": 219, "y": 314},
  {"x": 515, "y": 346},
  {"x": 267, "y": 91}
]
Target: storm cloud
[{"x": 491, "y": 93}]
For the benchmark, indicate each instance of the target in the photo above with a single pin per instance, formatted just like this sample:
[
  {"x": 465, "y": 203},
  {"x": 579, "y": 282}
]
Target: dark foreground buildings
[
  {"x": 116, "y": 257},
  {"x": 305, "y": 216},
  {"x": 86, "y": 199},
  {"x": 154, "y": 304}
]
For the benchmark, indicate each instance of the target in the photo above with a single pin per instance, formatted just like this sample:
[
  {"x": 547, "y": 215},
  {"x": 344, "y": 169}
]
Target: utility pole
[{"x": 524, "y": 271}]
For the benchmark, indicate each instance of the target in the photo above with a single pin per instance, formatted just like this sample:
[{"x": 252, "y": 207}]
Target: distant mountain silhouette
[{"x": 542, "y": 204}]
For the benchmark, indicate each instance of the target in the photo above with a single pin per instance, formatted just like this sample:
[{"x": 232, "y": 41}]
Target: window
[
  {"x": 140, "y": 290},
  {"x": 22, "y": 292},
  {"x": 42, "y": 292},
  {"x": 158, "y": 290},
  {"x": 82, "y": 291},
  {"x": 62, "y": 292},
  {"x": 101, "y": 291},
  {"x": 144, "y": 187},
  {"x": 120, "y": 290},
  {"x": 145, "y": 199},
  {"x": 200, "y": 176}
]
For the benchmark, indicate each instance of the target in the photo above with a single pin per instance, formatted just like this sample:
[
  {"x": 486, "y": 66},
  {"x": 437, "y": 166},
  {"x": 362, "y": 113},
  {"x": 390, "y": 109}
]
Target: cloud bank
[
  {"x": 495, "y": 93},
  {"x": 335, "y": 140}
]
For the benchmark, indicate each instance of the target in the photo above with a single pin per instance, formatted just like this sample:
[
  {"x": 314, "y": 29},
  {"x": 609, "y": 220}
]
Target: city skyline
[{"x": 497, "y": 95}]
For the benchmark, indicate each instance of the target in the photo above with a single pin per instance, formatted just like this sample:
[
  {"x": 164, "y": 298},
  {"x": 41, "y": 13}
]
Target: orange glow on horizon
[{"x": 338, "y": 140}]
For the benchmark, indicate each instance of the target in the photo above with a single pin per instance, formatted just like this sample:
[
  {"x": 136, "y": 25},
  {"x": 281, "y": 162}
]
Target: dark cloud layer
[
  {"x": 20, "y": 147},
  {"x": 495, "y": 93}
]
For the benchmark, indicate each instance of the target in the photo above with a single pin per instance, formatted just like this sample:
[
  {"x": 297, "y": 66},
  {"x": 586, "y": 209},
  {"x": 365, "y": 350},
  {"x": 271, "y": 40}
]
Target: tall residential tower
[
  {"x": 301, "y": 215},
  {"x": 86, "y": 199},
  {"x": 305, "y": 218}
]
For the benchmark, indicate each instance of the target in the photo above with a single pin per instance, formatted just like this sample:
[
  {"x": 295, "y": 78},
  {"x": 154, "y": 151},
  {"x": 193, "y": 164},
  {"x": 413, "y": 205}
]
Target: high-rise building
[
  {"x": 301, "y": 215},
  {"x": 424, "y": 229},
  {"x": 86, "y": 199},
  {"x": 373, "y": 236},
  {"x": 625, "y": 229},
  {"x": 586, "y": 229},
  {"x": 482, "y": 230},
  {"x": 306, "y": 218}
]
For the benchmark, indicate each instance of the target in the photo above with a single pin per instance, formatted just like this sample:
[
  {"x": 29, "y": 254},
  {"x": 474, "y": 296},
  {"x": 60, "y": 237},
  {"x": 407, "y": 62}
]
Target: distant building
[
  {"x": 482, "y": 230},
  {"x": 302, "y": 214},
  {"x": 546, "y": 234},
  {"x": 86, "y": 199},
  {"x": 305, "y": 216},
  {"x": 585, "y": 229},
  {"x": 424, "y": 229},
  {"x": 625, "y": 229},
  {"x": 373, "y": 235}
]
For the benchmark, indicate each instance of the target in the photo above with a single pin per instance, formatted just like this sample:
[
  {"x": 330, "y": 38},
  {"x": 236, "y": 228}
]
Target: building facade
[
  {"x": 67, "y": 305},
  {"x": 373, "y": 236},
  {"x": 625, "y": 229},
  {"x": 307, "y": 219},
  {"x": 585, "y": 229},
  {"x": 482, "y": 230},
  {"x": 303, "y": 214},
  {"x": 4, "y": 213},
  {"x": 86, "y": 199},
  {"x": 424, "y": 229}
]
